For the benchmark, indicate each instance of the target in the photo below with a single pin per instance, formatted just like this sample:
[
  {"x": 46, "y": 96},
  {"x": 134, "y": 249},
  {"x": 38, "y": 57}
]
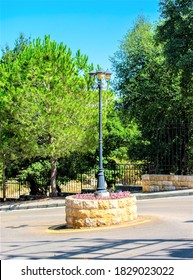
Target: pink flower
[{"x": 112, "y": 195}]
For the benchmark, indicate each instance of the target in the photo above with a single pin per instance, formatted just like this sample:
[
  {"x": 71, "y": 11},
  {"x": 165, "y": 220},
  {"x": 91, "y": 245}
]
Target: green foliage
[
  {"x": 143, "y": 80},
  {"x": 175, "y": 33},
  {"x": 149, "y": 89},
  {"x": 117, "y": 138},
  {"x": 46, "y": 108},
  {"x": 20, "y": 44},
  {"x": 77, "y": 162},
  {"x": 37, "y": 174},
  {"x": 1, "y": 168}
]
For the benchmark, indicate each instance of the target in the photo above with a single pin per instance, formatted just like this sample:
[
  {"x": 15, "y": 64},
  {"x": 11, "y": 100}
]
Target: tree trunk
[
  {"x": 53, "y": 176},
  {"x": 4, "y": 180},
  {"x": 53, "y": 169}
]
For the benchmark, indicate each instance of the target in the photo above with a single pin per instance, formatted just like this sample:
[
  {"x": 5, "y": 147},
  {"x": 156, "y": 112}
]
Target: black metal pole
[{"x": 101, "y": 187}]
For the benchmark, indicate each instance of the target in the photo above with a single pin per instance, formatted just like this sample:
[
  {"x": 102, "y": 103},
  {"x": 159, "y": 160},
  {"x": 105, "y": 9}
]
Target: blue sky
[{"x": 96, "y": 27}]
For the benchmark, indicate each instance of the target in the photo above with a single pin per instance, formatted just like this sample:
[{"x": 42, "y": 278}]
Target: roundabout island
[{"x": 91, "y": 211}]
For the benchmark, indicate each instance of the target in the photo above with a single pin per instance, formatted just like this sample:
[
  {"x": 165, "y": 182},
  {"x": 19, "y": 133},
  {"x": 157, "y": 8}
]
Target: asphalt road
[{"x": 164, "y": 231}]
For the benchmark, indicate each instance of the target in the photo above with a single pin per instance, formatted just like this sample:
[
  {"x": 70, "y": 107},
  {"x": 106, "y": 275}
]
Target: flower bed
[
  {"x": 90, "y": 211},
  {"x": 111, "y": 195}
]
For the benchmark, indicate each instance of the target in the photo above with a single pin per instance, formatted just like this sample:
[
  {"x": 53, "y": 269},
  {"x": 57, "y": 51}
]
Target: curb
[
  {"x": 142, "y": 219},
  {"x": 139, "y": 196},
  {"x": 163, "y": 194},
  {"x": 14, "y": 207}
]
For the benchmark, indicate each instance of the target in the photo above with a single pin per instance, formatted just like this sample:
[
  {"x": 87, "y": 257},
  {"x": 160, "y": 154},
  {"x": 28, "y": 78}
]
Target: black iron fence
[
  {"x": 172, "y": 148},
  {"x": 173, "y": 153},
  {"x": 115, "y": 175},
  {"x": 85, "y": 181},
  {"x": 14, "y": 189}
]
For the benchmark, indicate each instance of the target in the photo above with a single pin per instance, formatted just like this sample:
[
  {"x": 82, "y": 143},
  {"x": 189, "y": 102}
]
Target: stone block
[
  {"x": 131, "y": 210},
  {"x": 103, "y": 222},
  {"x": 103, "y": 204},
  {"x": 154, "y": 189},
  {"x": 122, "y": 203},
  {"x": 155, "y": 183},
  {"x": 186, "y": 185},
  {"x": 183, "y": 184},
  {"x": 124, "y": 218},
  {"x": 77, "y": 203},
  {"x": 113, "y": 203},
  {"x": 177, "y": 184},
  {"x": 154, "y": 177},
  {"x": 78, "y": 223},
  {"x": 145, "y": 177},
  {"x": 145, "y": 183},
  {"x": 185, "y": 178},
  {"x": 176, "y": 178},
  {"x": 169, "y": 178},
  {"x": 69, "y": 220},
  {"x": 97, "y": 213},
  {"x": 68, "y": 211},
  {"x": 83, "y": 213},
  {"x": 111, "y": 213},
  {"x": 161, "y": 177},
  {"x": 167, "y": 183},
  {"x": 121, "y": 212},
  {"x": 190, "y": 185},
  {"x": 74, "y": 212},
  {"x": 68, "y": 202},
  {"x": 168, "y": 188},
  {"x": 115, "y": 221},
  {"x": 145, "y": 188},
  {"x": 131, "y": 200},
  {"x": 90, "y": 222},
  {"x": 90, "y": 204}
]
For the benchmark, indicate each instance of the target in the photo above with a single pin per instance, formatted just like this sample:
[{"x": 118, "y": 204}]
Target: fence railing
[
  {"x": 14, "y": 189},
  {"x": 85, "y": 181},
  {"x": 171, "y": 149},
  {"x": 115, "y": 175}
]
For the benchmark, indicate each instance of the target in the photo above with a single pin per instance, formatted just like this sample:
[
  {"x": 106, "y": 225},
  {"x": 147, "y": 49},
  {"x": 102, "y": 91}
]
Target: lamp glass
[
  {"x": 107, "y": 76},
  {"x": 100, "y": 74}
]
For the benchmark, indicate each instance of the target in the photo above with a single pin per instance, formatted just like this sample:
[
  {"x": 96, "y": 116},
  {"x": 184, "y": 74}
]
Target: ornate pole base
[{"x": 101, "y": 186}]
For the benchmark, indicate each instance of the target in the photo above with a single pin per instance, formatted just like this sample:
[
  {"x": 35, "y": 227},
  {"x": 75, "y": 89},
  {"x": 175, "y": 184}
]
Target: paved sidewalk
[{"x": 60, "y": 202}]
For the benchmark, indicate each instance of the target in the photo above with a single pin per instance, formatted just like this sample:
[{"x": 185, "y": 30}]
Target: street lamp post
[{"x": 101, "y": 186}]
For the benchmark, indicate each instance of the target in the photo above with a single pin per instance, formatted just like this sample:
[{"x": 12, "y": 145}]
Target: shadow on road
[{"x": 100, "y": 248}]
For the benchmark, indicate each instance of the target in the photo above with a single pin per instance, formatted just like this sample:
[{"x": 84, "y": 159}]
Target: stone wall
[
  {"x": 98, "y": 212},
  {"x": 155, "y": 183}
]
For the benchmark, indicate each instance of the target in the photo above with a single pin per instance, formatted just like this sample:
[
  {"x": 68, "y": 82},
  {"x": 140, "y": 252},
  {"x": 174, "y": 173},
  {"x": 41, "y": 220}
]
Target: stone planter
[{"x": 99, "y": 212}]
